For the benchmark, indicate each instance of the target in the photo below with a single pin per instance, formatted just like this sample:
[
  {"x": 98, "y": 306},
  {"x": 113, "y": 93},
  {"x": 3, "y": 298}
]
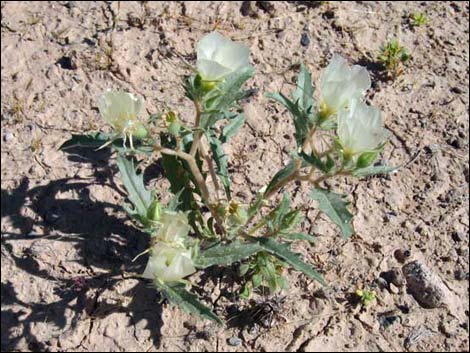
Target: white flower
[
  {"x": 218, "y": 57},
  {"x": 121, "y": 109},
  {"x": 173, "y": 227},
  {"x": 360, "y": 128},
  {"x": 341, "y": 83},
  {"x": 169, "y": 263}
]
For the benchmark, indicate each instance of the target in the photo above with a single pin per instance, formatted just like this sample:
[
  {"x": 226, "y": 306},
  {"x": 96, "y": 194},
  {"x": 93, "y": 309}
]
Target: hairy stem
[
  {"x": 198, "y": 132},
  {"x": 201, "y": 183},
  {"x": 210, "y": 165}
]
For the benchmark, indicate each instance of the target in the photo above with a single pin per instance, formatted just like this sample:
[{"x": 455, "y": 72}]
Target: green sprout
[
  {"x": 418, "y": 19},
  {"x": 366, "y": 296},
  {"x": 393, "y": 56}
]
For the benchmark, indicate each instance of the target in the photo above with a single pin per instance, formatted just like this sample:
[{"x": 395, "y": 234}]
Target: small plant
[
  {"x": 418, "y": 19},
  {"x": 204, "y": 224},
  {"x": 365, "y": 296},
  {"x": 393, "y": 56}
]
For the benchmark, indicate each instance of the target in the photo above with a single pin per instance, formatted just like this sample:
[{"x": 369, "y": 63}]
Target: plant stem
[
  {"x": 198, "y": 132},
  {"x": 212, "y": 173},
  {"x": 201, "y": 183}
]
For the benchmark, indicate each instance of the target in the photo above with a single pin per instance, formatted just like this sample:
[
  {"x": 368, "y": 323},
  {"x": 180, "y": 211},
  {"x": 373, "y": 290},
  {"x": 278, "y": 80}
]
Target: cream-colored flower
[
  {"x": 174, "y": 227},
  {"x": 218, "y": 57},
  {"x": 169, "y": 264},
  {"x": 340, "y": 83},
  {"x": 120, "y": 109},
  {"x": 360, "y": 128}
]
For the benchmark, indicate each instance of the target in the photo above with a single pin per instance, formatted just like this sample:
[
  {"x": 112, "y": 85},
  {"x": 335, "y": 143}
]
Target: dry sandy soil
[{"x": 67, "y": 277}]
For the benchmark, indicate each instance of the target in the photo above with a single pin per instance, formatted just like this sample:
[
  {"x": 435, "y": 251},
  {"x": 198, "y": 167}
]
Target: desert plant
[
  {"x": 204, "y": 224},
  {"x": 393, "y": 56},
  {"x": 418, "y": 19}
]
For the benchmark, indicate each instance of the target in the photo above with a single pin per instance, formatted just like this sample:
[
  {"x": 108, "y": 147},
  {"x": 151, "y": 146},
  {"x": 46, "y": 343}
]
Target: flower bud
[{"x": 154, "y": 211}]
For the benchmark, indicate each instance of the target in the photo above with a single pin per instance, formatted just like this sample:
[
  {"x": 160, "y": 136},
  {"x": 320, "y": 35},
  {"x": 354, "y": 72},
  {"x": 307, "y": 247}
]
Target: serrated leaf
[
  {"x": 140, "y": 197},
  {"x": 290, "y": 221},
  {"x": 99, "y": 139},
  {"x": 281, "y": 176},
  {"x": 314, "y": 161},
  {"x": 226, "y": 254},
  {"x": 334, "y": 206},
  {"x": 304, "y": 92},
  {"x": 299, "y": 236},
  {"x": 232, "y": 127},
  {"x": 280, "y": 211},
  {"x": 283, "y": 252},
  {"x": 373, "y": 170},
  {"x": 221, "y": 161},
  {"x": 189, "y": 302},
  {"x": 255, "y": 206},
  {"x": 301, "y": 120},
  {"x": 228, "y": 92}
]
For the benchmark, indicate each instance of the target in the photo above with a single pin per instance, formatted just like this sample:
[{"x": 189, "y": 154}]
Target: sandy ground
[{"x": 67, "y": 245}]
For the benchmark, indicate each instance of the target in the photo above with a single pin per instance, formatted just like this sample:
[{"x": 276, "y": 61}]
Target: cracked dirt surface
[{"x": 67, "y": 279}]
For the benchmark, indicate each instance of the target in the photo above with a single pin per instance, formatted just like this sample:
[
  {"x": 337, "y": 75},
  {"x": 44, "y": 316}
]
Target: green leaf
[
  {"x": 253, "y": 209},
  {"x": 232, "y": 127},
  {"x": 281, "y": 176},
  {"x": 334, "y": 206},
  {"x": 280, "y": 211},
  {"x": 299, "y": 236},
  {"x": 304, "y": 92},
  {"x": 221, "y": 160},
  {"x": 226, "y": 254},
  {"x": 314, "y": 161},
  {"x": 189, "y": 302},
  {"x": 366, "y": 159},
  {"x": 140, "y": 197},
  {"x": 290, "y": 221},
  {"x": 301, "y": 119},
  {"x": 228, "y": 92},
  {"x": 373, "y": 170},
  {"x": 98, "y": 139},
  {"x": 283, "y": 252}
]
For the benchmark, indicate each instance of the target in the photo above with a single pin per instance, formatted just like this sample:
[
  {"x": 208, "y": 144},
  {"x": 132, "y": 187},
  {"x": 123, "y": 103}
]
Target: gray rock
[
  {"x": 425, "y": 286},
  {"x": 8, "y": 137},
  {"x": 234, "y": 341}
]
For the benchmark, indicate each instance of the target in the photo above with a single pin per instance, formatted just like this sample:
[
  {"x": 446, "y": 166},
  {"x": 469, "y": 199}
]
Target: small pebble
[
  {"x": 457, "y": 236},
  {"x": 8, "y": 137},
  {"x": 234, "y": 341},
  {"x": 304, "y": 40}
]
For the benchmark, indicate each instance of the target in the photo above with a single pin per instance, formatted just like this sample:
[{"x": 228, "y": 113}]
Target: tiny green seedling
[
  {"x": 366, "y": 296},
  {"x": 418, "y": 19},
  {"x": 393, "y": 56}
]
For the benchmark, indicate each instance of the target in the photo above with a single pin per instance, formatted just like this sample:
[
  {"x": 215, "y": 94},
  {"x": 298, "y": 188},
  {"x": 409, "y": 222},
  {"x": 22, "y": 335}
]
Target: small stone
[
  {"x": 460, "y": 275},
  {"x": 425, "y": 286},
  {"x": 234, "y": 341},
  {"x": 8, "y": 137},
  {"x": 457, "y": 90},
  {"x": 133, "y": 20},
  {"x": 402, "y": 255},
  {"x": 457, "y": 236},
  {"x": 454, "y": 142},
  {"x": 394, "y": 289},
  {"x": 304, "y": 40}
]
